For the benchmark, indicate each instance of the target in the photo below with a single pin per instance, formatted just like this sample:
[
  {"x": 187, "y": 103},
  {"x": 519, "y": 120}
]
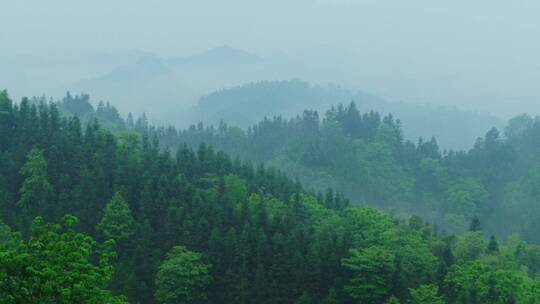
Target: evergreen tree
[
  {"x": 304, "y": 299},
  {"x": 117, "y": 222},
  {"x": 493, "y": 246},
  {"x": 392, "y": 300},
  {"x": 475, "y": 224},
  {"x": 6, "y": 120},
  {"x": 331, "y": 298},
  {"x": 36, "y": 190},
  {"x": 5, "y": 235}
]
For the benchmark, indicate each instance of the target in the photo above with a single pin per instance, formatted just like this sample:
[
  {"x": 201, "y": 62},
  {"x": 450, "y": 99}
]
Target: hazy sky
[
  {"x": 482, "y": 52},
  {"x": 182, "y": 27}
]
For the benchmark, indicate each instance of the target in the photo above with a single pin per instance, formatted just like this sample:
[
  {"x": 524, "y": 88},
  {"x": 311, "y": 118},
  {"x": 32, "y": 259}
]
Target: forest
[
  {"x": 246, "y": 105},
  {"x": 367, "y": 157},
  {"x": 333, "y": 208}
]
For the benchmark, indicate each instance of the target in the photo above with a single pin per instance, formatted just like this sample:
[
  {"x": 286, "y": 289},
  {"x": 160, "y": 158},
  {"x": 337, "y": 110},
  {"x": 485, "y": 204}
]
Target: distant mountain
[
  {"x": 218, "y": 55},
  {"x": 148, "y": 85},
  {"x": 170, "y": 90},
  {"x": 164, "y": 87},
  {"x": 245, "y": 105}
]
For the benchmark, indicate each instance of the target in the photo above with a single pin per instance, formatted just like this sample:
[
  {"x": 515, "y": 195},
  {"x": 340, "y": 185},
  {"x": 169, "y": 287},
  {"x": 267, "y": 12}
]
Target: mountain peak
[{"x": 221, "y": 54}]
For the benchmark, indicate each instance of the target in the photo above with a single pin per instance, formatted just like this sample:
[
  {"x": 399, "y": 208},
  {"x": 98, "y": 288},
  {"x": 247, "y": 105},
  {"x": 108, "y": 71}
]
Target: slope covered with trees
[
  {"x": 246, "y": 105},
  {"x": 196, "y": 226},
  {"x": 367, "y": 157}
]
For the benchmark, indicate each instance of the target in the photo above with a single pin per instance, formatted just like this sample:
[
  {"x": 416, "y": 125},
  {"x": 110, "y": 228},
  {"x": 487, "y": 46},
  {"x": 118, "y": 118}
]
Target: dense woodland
[
  {"x": 195, "y": 225},
  {"x": 365, "y": 156}
]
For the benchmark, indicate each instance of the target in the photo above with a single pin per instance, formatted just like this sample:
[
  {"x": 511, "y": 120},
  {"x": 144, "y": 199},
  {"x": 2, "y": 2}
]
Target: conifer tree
[
  {"x": 36, "y": 190},
  {"x": 493, "y": 246},
  {"x": 117, "y": 222},
  {"x": 475, "y": 224}
]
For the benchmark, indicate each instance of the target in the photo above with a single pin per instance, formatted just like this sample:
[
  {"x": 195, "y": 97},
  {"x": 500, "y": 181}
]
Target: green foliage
[
  {"x": 372, "y": 270},
  {"x": 5, "y": 235},
  {"x": 267, "y": 238},
  {"x": 392, "y": 300},
  {"x": 304, "y": 299},
  {"x": 182, "y": 277},
  {"x": 54, "y": 266},
  {"x": 475, "y": 225},
  {"x": 425, "y": 294},
  {"x": 331, "y": 298},
  {"x": 117, "y": 222},
  {"x": 470, "y": 246},
  {"x": 6, "y": 119},
  {"x": 36, "y": 189},
  {"x": 493, "y": 245},
  {"x": 478, "y": 282}
]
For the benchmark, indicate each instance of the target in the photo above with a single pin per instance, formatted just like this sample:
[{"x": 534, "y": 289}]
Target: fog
[{"x": 481, "y": 56}]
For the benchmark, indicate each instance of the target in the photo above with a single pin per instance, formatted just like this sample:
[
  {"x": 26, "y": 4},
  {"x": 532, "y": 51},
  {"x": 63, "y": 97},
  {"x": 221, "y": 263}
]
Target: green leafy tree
[
  {"x": 470, "y": 246},
  {"x": 54, "y": 266},
  {"x": 117, "y": 222},
  {"x": 425, "y": 294},
  {"x": 479, "y": 282},
  {"x": 372, "y": 270},
  {"x": 182, "y": 277},
  {"x": 36, "y": 189},
  {"x": 392, "y": 300}
]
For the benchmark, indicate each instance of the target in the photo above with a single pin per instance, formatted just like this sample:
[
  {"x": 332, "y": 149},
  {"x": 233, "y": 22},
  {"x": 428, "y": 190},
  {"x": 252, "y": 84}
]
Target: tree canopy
[{"x": 176, "y": 204}]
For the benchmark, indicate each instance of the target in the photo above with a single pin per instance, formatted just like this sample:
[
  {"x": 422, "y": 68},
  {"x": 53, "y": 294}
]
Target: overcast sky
[
  {"x": 488, "y": 50},
  {"x": 182, "y": 27}
]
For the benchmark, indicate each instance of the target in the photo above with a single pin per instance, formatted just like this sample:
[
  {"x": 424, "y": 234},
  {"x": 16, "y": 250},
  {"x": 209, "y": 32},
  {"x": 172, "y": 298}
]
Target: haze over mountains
[
  {"x": 480, "y": 56},
  {"x": 270, "y": 152},
  {"x": 203, "y": 87}
]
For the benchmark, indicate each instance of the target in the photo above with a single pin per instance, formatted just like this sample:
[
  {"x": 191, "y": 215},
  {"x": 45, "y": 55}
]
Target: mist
[
  {"x": 161, "y": 58},
  {"x": 291, "y": 152}
]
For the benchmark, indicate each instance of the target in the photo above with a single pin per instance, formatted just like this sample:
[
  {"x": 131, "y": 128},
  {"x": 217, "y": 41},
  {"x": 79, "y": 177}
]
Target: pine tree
[
  {"x": 36, "y": 190},
  {"x": 493, "y": 246},
  {"x": 475, "y": 224},
  {"x": 6, "y": 120},
  {"x": 392, "y": 300},
  {"x": 331, "y": 298},
  {"x": 117, "y": 222},
  {"x": 304, "y": 299},
  {"x": 5, "y": 235}
]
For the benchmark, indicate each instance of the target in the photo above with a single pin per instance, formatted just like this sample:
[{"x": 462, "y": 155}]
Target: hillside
[
  {"x": 233, "y": 233},
  {"x": 367, "y": 157},
  {"x": 246, "y": 105}
]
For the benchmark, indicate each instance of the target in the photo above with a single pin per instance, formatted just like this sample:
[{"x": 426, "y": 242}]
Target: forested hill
[
  {"x": 246, "y": 105},
  {"x": 366, "y": 157},
  {"x": 199, "y": 227}
]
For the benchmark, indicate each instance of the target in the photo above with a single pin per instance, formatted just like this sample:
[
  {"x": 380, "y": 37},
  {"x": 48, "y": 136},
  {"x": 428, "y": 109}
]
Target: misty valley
[{"x": 269, "y": 152}]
